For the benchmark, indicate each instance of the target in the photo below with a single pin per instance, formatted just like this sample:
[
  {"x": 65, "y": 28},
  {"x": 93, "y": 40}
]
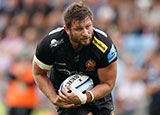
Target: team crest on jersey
[
  {"x": 100, "y": 45},
  {"x": 55, "y": 42},
  {"x": 90, "y": 65}
]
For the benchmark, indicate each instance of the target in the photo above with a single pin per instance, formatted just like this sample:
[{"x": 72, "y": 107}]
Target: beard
[{"x": 81, "y": 41}]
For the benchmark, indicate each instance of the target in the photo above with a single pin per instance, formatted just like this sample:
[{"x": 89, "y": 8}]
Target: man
[{"x": 77, "y": 47}]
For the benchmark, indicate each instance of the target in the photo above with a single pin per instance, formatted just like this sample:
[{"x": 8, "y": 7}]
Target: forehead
[{"x": 77, "y": 23}]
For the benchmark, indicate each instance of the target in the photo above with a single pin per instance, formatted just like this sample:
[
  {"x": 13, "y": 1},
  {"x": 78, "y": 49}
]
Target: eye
[
  {"x": 78, "y": 29},
  {"x": 88, "y": 26}
]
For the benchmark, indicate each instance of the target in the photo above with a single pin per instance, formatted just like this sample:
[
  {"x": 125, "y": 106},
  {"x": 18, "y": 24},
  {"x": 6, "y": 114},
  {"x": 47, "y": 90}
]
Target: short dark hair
[{"x": 76, "y": 11}]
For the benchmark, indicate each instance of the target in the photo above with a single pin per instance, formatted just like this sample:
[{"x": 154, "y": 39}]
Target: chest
[{"x": 69, "y": 62}]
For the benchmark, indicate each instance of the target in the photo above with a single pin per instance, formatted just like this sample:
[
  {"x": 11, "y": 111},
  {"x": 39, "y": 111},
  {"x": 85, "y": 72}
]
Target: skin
[{"x": 80, "y": 35}]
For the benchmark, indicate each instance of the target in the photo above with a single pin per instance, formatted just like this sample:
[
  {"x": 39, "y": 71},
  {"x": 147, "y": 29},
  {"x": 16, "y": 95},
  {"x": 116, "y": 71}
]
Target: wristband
[
  {"x": 82, "y": 97},
  {"x": 92, "y": 95}
]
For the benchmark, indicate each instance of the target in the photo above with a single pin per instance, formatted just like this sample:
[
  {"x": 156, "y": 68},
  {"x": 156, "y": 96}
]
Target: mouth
[{"x": 85, "y": 39}]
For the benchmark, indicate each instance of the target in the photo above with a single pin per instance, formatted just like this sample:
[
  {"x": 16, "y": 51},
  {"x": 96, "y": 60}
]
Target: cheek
[
  {"x": 91, "y": 32},
  {"x": 77, "y": 34},
  {"x": 91, "y": 29}
]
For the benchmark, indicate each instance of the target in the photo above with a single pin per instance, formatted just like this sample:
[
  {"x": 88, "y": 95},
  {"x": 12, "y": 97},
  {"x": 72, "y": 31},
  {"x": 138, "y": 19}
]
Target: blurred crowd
[{"x": 133, "y": 25}]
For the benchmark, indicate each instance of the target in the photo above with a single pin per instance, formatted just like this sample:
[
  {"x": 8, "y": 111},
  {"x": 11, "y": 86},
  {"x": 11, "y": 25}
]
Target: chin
[{"x": 86, "y": 44}]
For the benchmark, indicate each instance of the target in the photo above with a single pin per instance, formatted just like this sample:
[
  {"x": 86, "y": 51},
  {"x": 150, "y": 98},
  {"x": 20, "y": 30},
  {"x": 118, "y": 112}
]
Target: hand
[
  {"x": 66, "y": 100},
  {"x": 82, "y": 97},
  {"x": 69, "y": 97}
]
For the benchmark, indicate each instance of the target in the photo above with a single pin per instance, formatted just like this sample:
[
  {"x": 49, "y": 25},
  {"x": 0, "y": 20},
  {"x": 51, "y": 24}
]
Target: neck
[{"x": 76, "y": 46}]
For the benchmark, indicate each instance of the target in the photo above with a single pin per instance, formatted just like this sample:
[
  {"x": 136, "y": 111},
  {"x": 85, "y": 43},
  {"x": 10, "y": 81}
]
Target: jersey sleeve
[
  {"x": 105, "y": 49},
  {"x": 109, "y": 56},
  {"x": 43, "y": 54}
]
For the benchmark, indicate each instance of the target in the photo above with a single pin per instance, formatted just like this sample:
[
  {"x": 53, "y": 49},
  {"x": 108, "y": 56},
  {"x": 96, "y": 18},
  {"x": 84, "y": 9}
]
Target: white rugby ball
[{"x": 81, "y": 82}]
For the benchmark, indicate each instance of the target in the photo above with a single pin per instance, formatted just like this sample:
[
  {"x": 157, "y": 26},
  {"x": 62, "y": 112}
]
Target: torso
[{"x": 66, "y": 61}]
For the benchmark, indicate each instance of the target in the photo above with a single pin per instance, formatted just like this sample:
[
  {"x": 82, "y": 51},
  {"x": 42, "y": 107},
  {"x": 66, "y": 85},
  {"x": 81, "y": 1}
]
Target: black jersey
[{"x": 56, "y": 54}]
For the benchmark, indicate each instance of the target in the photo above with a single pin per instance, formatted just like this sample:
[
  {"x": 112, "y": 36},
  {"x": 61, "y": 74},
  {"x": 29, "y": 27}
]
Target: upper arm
[
  {"x": 36, "y": 69},
  {"x": 108, "y": 74},
  {"x": 42, "y": 60}
]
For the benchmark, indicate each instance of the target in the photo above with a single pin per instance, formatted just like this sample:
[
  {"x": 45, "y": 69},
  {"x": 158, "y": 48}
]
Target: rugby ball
[{"x": 81, "y": 82}]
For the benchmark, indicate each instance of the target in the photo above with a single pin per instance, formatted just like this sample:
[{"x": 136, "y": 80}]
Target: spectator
[{"x": 21, "y": 95}]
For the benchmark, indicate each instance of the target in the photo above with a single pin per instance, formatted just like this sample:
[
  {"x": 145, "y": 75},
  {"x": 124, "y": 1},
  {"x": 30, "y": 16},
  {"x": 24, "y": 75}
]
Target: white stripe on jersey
[
  {"x": 100, "y": 31},
  {"x": 41, "y": 64},
  {"x": 56, "y": 30}
]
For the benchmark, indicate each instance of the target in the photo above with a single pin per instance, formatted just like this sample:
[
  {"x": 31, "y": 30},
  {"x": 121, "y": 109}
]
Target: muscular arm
[
  {"x": 107, "y": 77},
  {"x": 45, "y": 85},
  {"x": 42, "y": 81}
]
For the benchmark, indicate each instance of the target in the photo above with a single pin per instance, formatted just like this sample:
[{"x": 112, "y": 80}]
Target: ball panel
[
  {"x": 86, "y": 85},
  {"x": 80, "y": 82}
]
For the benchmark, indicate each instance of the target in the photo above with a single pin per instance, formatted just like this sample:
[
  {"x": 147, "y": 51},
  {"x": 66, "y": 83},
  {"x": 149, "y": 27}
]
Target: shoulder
[
  {"x": 57, "y": 33},
  {"x": 100, "y": 32},
  {"x": 54, "y": 38},
  {"x": 103, "y": 47},
  {"x": 48, "y": 46},
  {"x": 101, "y": 40}
]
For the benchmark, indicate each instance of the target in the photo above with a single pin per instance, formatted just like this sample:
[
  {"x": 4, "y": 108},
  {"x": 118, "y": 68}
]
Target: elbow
[
  {"x": 111, "y": 86},
  {"x": 108, "y": 87}
]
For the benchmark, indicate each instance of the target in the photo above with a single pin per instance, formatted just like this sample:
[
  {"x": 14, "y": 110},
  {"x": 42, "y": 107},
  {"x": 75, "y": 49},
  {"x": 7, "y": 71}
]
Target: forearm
[
  {"x": 46, "y": 87},
  {"x": 98, "y": 92},
  {"x": 101, "y": 90},
  {"x": 43, "y": 82},
  {"x": 107, "y": 77}
]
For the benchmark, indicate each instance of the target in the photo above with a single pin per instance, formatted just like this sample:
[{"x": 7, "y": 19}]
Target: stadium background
[{"x": 133, "y": 25}]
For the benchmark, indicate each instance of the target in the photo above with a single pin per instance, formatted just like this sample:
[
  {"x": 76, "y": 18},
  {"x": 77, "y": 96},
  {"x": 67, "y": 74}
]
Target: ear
[{"x": 66, "y": 29}]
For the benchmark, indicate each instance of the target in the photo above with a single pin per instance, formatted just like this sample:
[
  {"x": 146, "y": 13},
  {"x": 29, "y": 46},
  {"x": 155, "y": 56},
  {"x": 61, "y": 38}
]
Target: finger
[
  {"x": 78, "y": 105},
  {"x": 70, "y": 96},
  {"x": 62, "y": 95},
  {"x": 64, "y": 98},
  {"x": 65, "y": 92},
  {"x": 68, "y": 87},
  {"x": 60, "y": 99},
  {"x": 64, "y": 105},
  {"x": 72, "y": 105},
  {"x": 69, "y": 106}
]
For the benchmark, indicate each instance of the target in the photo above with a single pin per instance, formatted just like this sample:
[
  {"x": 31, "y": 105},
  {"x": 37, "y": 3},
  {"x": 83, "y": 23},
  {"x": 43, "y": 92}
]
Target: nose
[{"x": 85, "y": 32}]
